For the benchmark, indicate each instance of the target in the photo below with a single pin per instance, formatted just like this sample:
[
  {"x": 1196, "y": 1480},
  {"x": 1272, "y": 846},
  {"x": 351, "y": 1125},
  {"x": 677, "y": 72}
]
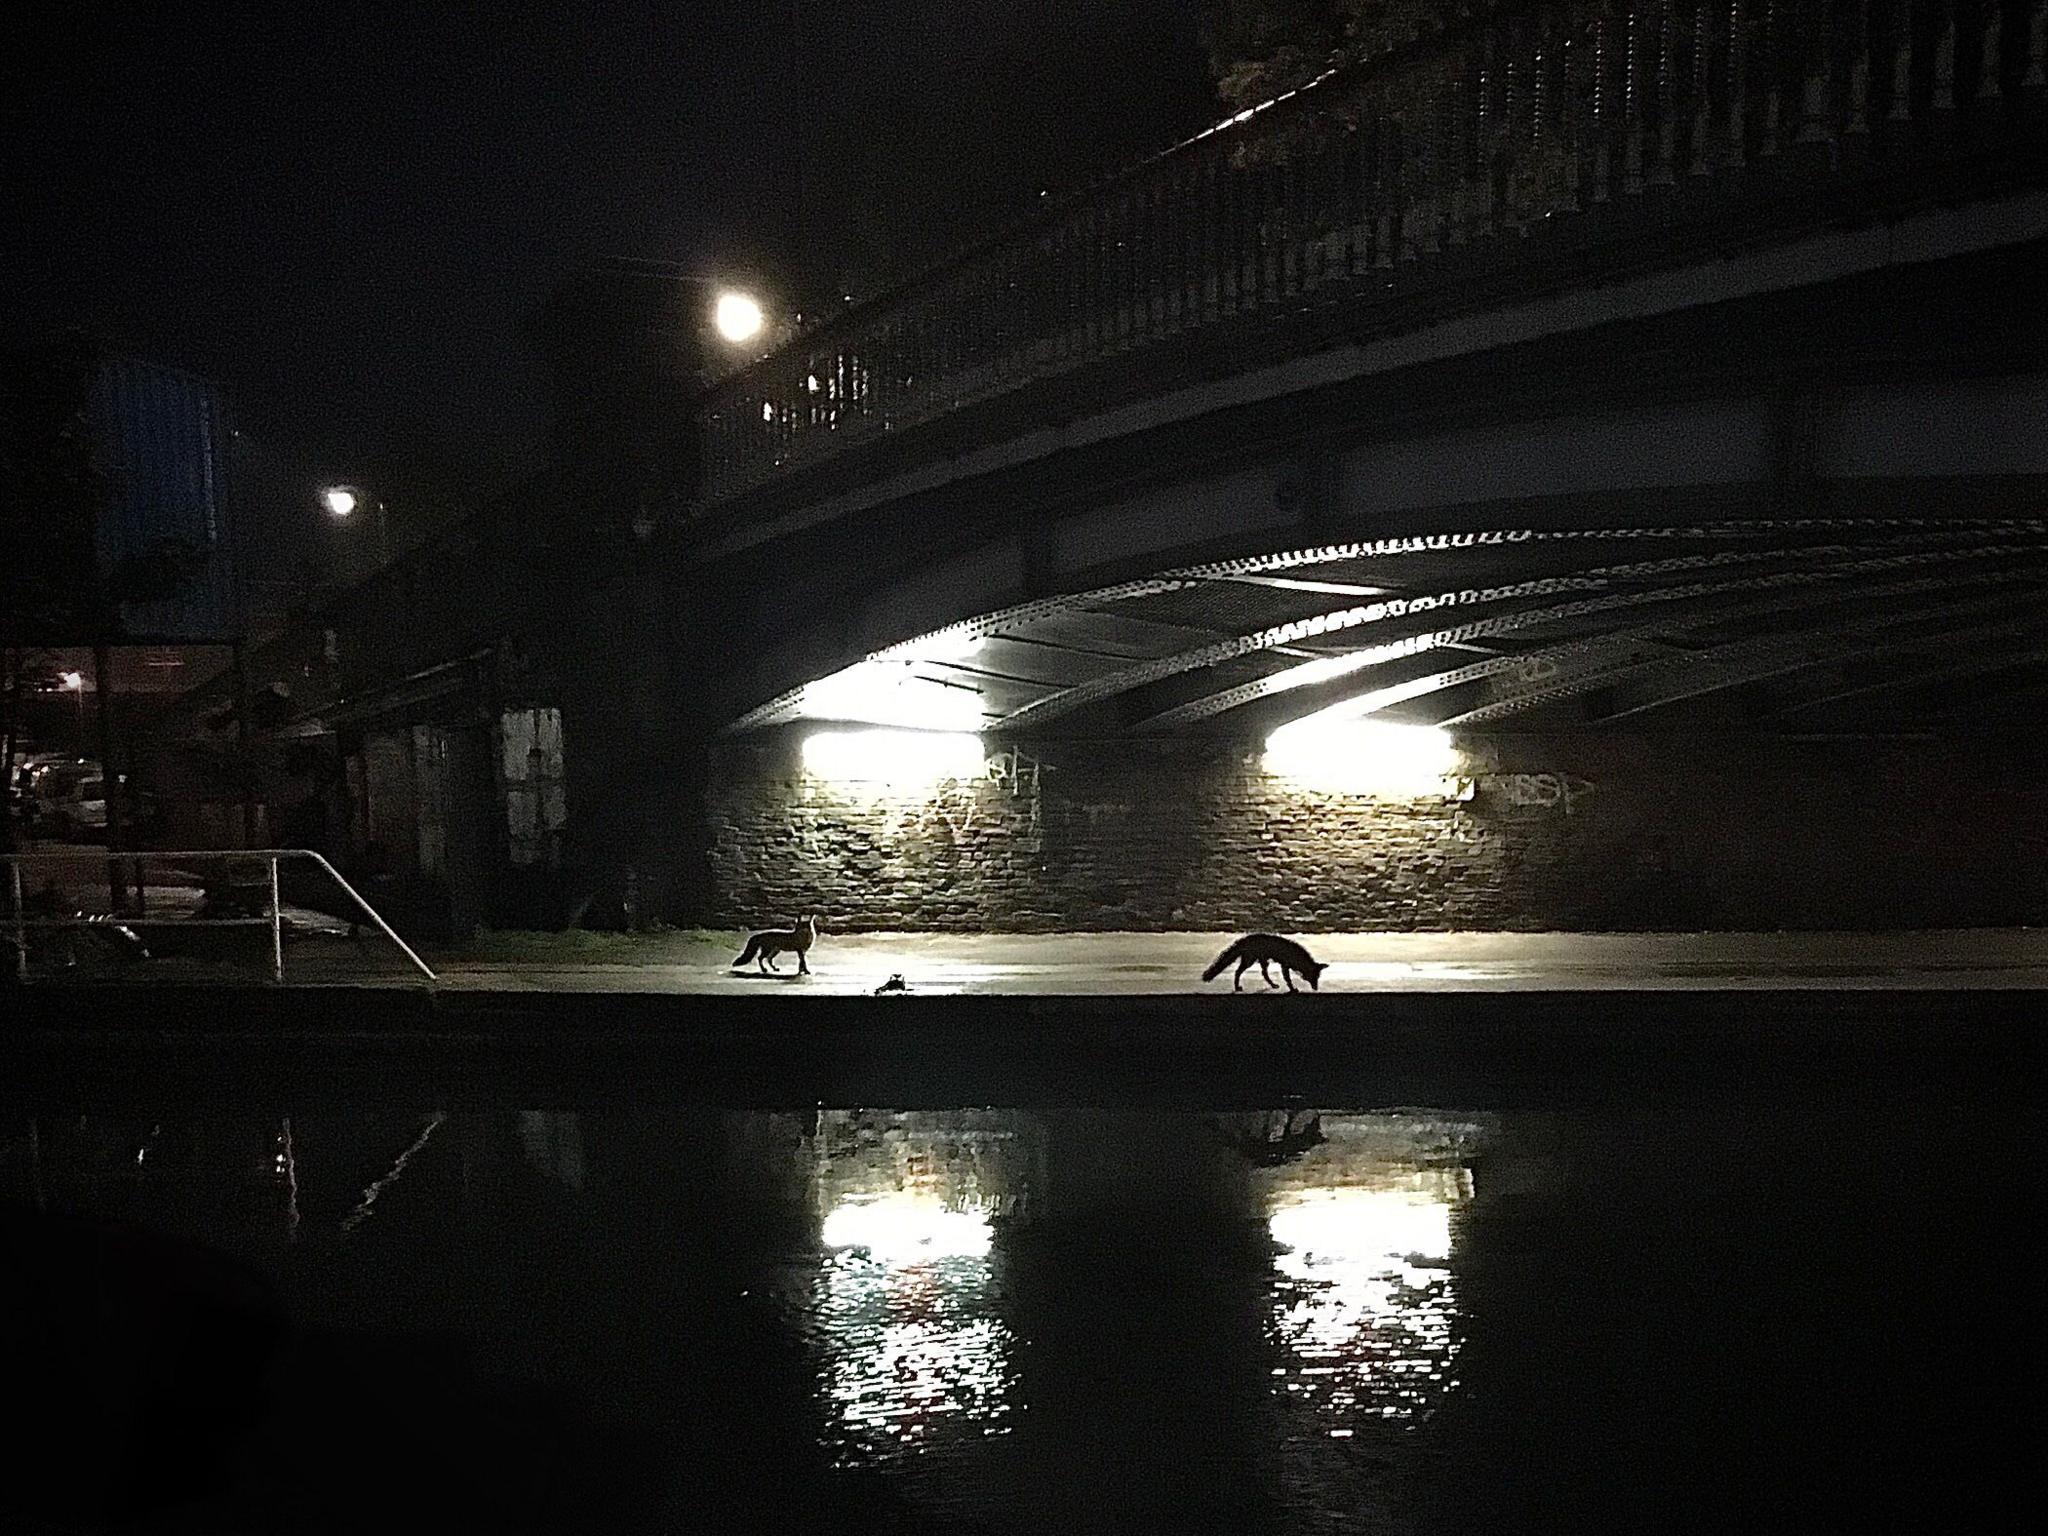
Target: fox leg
[
  {"x": 803, "y": 966},
  {"x": 1268, "y": 975},
  {"x": 1289, "y": 975},
  {"x": 769, "y": 961},
  {"x": 1237, "y": 981}
]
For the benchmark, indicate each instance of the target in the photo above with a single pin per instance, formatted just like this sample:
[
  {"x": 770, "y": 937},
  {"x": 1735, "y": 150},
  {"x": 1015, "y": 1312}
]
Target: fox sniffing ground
[
  {"x": 762, "y": 948},
  {"x": 1262, "y": 950}
]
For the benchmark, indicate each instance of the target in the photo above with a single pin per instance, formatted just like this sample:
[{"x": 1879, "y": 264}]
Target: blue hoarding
[{"x": 164, "y": 545}]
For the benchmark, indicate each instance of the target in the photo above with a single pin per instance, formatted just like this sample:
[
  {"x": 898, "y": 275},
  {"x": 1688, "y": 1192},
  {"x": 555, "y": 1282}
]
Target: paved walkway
[
  {"x": 1127, "y": 964},
  {"x": 1110, "y": 964}
]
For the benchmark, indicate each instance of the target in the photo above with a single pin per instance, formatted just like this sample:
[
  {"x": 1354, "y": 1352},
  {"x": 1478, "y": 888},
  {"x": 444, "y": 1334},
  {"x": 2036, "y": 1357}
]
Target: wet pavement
[
  {"x": 320, "y": 952},
  {"x": 1133, "y": 964}
]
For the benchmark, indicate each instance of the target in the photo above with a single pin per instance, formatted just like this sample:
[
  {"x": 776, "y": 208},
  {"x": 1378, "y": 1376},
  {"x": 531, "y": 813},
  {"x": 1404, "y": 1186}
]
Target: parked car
[
  {"x": 42, "y": 781},
  {"x": 69, "y": 800},
  {"x": 80, "y": 808}
]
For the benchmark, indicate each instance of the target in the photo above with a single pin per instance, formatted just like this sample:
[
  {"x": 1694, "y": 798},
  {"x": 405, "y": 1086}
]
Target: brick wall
[{"x": 1595, "y": 832}]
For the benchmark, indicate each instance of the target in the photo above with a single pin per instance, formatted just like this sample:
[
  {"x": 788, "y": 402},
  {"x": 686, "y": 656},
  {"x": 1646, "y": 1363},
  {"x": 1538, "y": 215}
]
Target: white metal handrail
[{"x": 21, "y": 922}]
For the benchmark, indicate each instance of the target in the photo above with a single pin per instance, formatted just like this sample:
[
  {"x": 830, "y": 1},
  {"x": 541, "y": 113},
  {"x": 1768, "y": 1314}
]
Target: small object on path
[{"x": 895, "y": 983}]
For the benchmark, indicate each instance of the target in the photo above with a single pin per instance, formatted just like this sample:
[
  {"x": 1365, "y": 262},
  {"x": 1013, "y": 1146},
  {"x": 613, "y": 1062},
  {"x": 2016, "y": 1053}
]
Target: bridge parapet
[{"x": 1532, "y": 144}]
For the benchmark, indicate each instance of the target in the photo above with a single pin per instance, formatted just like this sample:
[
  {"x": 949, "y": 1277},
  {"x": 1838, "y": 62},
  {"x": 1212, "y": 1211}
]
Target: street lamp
[
  {"x": 738, "y": 316},
  {"x": 342, "y": 503}
]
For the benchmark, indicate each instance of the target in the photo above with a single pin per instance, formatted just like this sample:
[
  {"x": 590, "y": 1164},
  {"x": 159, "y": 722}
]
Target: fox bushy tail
[
  {"x": 753, "y": 947},
  {"x": 1216, "y": 969}
]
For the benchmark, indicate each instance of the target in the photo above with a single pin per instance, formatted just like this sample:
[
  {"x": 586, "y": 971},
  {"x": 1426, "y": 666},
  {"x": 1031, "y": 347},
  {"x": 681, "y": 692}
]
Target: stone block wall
[{"x": 1589, "y": 832}]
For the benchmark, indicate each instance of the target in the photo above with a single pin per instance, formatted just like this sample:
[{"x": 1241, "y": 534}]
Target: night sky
[{"x": 344, "y": 213}]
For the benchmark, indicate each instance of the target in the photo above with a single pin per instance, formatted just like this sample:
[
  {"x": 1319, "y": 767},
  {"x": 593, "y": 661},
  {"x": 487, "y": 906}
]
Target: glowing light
[
  {"x": 902, "y": 1229},
  {"x": 916, "y": 1354},
  {"x": 738, "y": 317},
  {"x": 1303, "y": 584},
  {"x": 1365, "y": 757},
  {"x": 893, "y": 693},
  {"x": 893, "y": 756},
  {"x": 1364, "y": 1302},
  {"x": 956, "y": 644},
  {"x": 1380, "y": 1230},
  {"x": 1326, "y": 669},
  {"x": 73, "y": 681},
  {"x": 339, "y": 500}
]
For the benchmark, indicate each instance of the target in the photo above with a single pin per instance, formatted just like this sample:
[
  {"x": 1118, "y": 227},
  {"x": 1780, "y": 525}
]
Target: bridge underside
[{"x": 1801, "y": 624}]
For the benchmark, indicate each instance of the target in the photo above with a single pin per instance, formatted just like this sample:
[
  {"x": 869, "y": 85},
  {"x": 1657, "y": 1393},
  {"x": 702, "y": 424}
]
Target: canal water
[{"x": 1692, "y": 1312}]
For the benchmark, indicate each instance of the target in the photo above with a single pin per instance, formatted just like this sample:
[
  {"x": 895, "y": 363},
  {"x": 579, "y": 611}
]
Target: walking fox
[
  {"x": 1263, "y": 949},
  {"x": 762, "y": 948}
]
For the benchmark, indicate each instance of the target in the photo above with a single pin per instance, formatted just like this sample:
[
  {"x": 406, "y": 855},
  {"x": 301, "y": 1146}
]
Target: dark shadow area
[{"x": 1770, "y": 1309}]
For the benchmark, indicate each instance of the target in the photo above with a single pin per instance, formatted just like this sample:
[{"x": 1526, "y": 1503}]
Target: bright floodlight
[
  {"x": 738, "y": 317},
  {"x": 74, "y": 681},
  {"x": 1363, "y": 757},
  {"x": 903, "y": 1229},
  {"x": 901, "y": 758},
  {"x": 339, "y": 500},
  {"x": 892, "y": 693}
]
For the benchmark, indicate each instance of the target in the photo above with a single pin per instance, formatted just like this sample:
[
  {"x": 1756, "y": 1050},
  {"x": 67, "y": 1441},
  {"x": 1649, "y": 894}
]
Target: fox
[
  {"x": 762, "y": 948},
  {"x": 1263, "y": 949}
]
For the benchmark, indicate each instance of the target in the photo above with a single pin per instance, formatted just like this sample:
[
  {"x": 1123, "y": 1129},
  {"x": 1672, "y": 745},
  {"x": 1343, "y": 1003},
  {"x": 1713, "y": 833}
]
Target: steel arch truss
[{"x": 1707, "y": 607}]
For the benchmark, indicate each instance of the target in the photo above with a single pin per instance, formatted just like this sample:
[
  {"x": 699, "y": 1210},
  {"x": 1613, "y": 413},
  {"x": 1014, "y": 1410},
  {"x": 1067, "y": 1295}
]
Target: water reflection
[
  {"x": 913, "y": 1348},
  {"x": 363, "y": 1207},
  {"x": 1010, "y": 1320},
  {"x": 553, "y": 1140},
  {"x": 1364, "y": 1304}
]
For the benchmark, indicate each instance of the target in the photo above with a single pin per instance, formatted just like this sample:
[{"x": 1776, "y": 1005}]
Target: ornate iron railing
[{"x": 1574, "y": 124}]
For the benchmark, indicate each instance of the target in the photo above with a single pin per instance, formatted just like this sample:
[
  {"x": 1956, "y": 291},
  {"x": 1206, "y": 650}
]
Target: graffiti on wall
[{"x": 1537, "y": 791}]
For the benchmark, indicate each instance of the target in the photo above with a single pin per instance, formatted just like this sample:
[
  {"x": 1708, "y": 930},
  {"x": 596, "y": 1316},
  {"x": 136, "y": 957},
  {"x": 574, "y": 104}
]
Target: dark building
[
  {"x": 118, "y": 532},
  {"x": 429, "y": 728}
]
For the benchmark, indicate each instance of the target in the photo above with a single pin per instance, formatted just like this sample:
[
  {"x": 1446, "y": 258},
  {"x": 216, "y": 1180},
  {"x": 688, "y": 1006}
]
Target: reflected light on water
[
  {"x": 914, "y": 1347},
  {"x": 1363, "y": 1303},
  {"x": 902, "y": 1228}
]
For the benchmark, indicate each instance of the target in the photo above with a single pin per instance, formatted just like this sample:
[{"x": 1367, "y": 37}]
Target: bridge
[
  {"x": 1564, "y": 280},
  {"x": 1580, "y": 466}
]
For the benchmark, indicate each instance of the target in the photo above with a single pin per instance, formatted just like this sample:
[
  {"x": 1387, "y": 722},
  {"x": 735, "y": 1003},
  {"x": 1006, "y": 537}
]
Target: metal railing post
[
  {"x": 373, "y": 915},
  {"x": 20, "y": 922},
  {"x": 276, "y": 926}
]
